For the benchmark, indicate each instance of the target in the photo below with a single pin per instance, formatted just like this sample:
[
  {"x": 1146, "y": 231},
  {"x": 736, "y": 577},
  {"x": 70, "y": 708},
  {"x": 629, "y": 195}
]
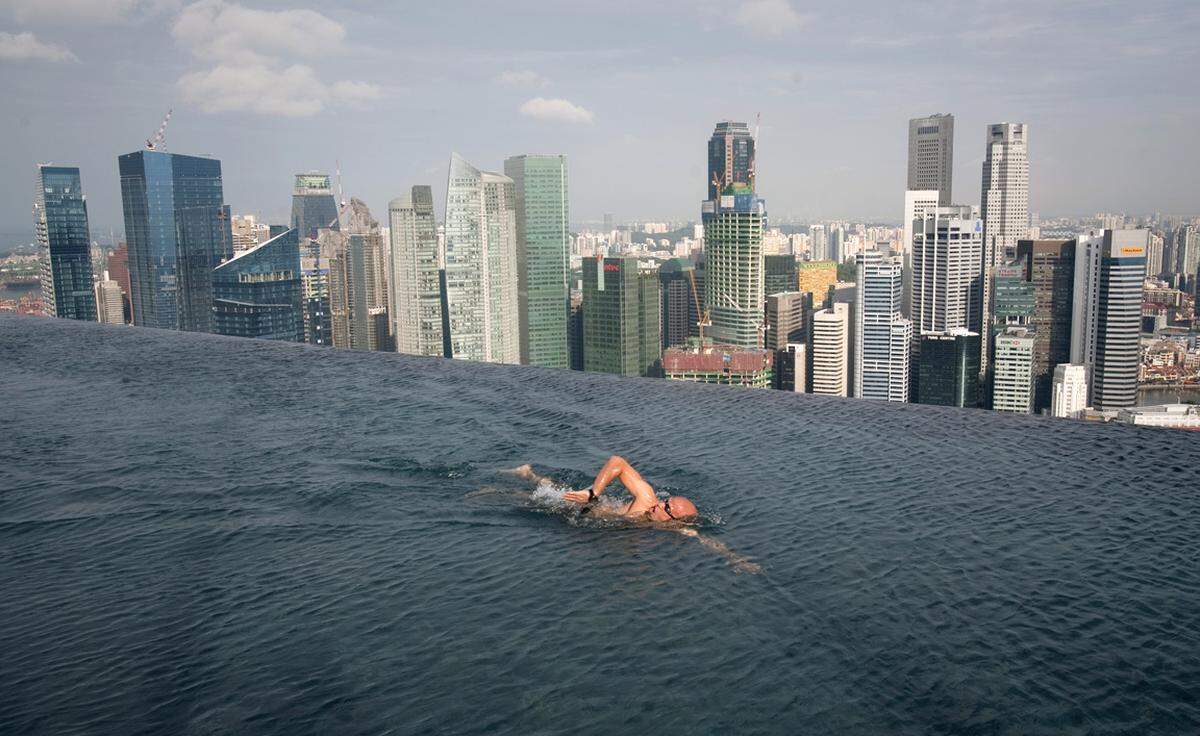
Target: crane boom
[{"x": 159, "y": 139}]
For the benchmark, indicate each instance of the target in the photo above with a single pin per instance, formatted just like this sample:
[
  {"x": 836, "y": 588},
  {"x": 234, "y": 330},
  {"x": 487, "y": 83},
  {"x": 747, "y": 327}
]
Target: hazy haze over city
[{"x": 628, "y": 90}]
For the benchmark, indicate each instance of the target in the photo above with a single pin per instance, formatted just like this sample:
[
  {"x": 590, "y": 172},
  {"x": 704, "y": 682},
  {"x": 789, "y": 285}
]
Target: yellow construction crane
[{"x": 703, "y": 314}]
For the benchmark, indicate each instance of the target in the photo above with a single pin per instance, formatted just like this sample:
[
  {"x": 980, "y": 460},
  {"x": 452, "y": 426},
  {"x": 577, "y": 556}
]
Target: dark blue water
[{"x": 206, "y": 535}]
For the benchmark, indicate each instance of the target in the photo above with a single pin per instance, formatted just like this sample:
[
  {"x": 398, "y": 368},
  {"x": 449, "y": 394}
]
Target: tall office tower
[
  {"x": 733, "y": 266},
  {"x": 730, "y": 157},
  {"x": 620, "y": 317},
  {"x": 1005, "y": 192},
  {"x": 415, "y": 300},
  {"x": 837, "y": 243},
  {"x": 682, "y": 288},
  {"x": 575, "y": 331},
  {"x": 816, "y": 277},
  {"x": 819, "y": 244},
  {"x": 481, "y": 265},
  {"x": 882, "y": 335},
  {"x": 356, "y": 261},
  {"x": 1109, "y": 270},
  {"x": 314, "y": 275},
  {"x": 779, "y": 274},
  {"x": 1050, "y": 267},
  {"x": 313, "y": 206},
  {"x": 110, "y": 306},
  {"x": 1012, "y": 306},
  {"x": 931, "y": 155},
  {"x": 259, "y": 292},
  {"x": 1069, "y": 391},
  {"x": 61, "y": 223},
  {"x": 1187, "y": 252},
  {"x": 1012, "y": 374},
  {"x": 118, "y": 268},
  {"x": 787, "y": 317},
  {"x": 1154, "y": 256},
  {"x": 178, "y": 231},
  {"x": 947, "y": 279},
  {"x": 543, "y": 257},
  {"x": 949, "y": 368},
  {"x": 830, "y": 350},
  {"x": 917, "y": 203}
]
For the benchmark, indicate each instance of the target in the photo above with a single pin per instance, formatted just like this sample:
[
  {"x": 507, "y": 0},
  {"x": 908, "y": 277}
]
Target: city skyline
[{"x": 829, "y": 145}]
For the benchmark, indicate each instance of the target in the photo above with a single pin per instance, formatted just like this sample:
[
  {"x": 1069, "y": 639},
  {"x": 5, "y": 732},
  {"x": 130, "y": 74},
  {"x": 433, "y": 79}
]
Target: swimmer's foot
[{"x": 524, "y": 471}]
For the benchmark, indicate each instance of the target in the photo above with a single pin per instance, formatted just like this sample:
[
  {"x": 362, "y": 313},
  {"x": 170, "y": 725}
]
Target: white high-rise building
[
  {"x": 882, "y": 334},
  {"x": 931, "y": 155},
  {"x": 1012, "y": 382},
  {"x": 415, "y": 300},
  {"x": 1005, "y": 192},
  {"x": 110, "y": 307},
  {"x": 1110, "y": 268},
  {"x": 481, "y": 265},
  {"x": 947, "y": 272},
  {"x": 818, "y": 243},
  {"x": 830, "y": 350},
  {"x": 1069, "y": 391},
  {"x": 917, "y": 202},
  {"x": 733, "y": 270}
]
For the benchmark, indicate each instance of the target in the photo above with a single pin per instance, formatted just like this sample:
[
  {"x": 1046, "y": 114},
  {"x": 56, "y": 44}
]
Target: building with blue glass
[
  {"x": 61, "y": 222},
  {"x": 178, "y": 231},
  {"x": 313, "y": 208},
  {"x": 259, "y": 292}
]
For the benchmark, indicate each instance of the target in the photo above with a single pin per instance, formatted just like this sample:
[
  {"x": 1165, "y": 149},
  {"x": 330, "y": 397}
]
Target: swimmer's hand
[
  {"x": 688, "y": 531},
  {"x": 579, "y": 496}
]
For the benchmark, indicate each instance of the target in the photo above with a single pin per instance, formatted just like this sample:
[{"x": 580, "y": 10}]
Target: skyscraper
[
  {"x": 543, "y": 257},
  {"x": 481, "y": 265},
  {"x": 947, "y": 278},
  {"x": 620, "y": 317},
  {"x": 314, "y": 275},
  {"x": 730, "y": 157},
  {"x": 1012, "y": 374},
  {"x": 680, "y": 304},
  {"x": 1069, "y": 391},
  {"x": 1109, "y": 269},
  {"x": 787, "y": 316},
  {"x": 733, "y": 270},
  {"x": 118, "y": 268},
  {"x": 416, "y": 300},
  {"x": 949, "y": 368},
  {"x": 931, "y": 155},
  {"x": 816, "y": 277},
  {"x": 356, "y": 263},
  {"x": 258, "y": 293},
  {"x": 1005, "y": 194},
  {"x": 830, "y": 350},
  {"x": 110, "y": 307},
  {"x": 1050, "y": 268},
  {"x": 61, "y": 224},
  {"x": 313, "y": 206},
  {"x": 779, "y": 274},
  {"x": 178, "y": 230},
  {"x": 1187, "y": 251},
  {"x": 882, "y": 334}
]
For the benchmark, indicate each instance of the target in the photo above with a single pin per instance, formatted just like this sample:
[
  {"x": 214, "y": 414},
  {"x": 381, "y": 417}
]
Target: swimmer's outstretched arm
[
  {"x": 615, "y": 468},
  {"x": 740, "y": 563}
]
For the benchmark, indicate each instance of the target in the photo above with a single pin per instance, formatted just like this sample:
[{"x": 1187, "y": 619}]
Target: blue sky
[{"x": 628, "y": 90}]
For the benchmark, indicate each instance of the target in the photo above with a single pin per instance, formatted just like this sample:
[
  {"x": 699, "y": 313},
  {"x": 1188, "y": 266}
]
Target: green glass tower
[
  {"x": 621, "y": 318},
  {"x": 543, "y": 297}
]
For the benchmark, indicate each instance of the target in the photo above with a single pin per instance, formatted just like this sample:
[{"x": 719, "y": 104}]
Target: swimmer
[
  {"x": 646, "y": 505},
  {"x": 676, "y": 513}
]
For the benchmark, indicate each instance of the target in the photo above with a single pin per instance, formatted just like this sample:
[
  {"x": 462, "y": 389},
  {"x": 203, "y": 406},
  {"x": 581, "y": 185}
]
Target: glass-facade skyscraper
[
  {"x": 416, "y": 300},
  {"x": 313, "y": 205},
  {"x": 61, "y": 223},
  {"x": 543, "y": 257},
  {"x": 178, "y": 230},
  {"x": 620, "y": 317},
  {"x": 730, "y": 157},
  {"x": 259, "y": 292}
]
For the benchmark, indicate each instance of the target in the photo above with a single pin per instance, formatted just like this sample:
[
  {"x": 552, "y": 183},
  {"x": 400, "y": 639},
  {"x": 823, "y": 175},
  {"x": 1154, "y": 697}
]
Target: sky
[{"x": 629, "y": 90}]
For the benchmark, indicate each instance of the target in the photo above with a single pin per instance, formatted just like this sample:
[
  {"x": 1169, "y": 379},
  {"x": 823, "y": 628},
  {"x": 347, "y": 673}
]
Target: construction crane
[
  {"x": 702, "y": 314},
  {"x": 159, "y": 139}
]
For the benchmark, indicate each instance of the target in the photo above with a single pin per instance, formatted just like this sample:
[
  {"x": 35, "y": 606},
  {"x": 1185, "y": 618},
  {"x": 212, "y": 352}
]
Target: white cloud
[
  {"x": 522, "y": 78},
  {"x": 26, "y": 47},
  {"x": 84, "y": 11},
  {"x": 770, "y": 18},
  {"x": 556, "y": 109},
  {"x": 293, "y": 91},
  {"x": 258, "y": 58}
]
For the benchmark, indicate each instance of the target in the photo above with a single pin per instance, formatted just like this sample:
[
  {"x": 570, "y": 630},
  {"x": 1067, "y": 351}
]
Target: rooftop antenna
[
  {"x": 341, "y": 193},
  {"x": 159, "y": 139}
]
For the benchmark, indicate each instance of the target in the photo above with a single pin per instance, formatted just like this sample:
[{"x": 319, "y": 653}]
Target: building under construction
[{"x": 720, "y": 364}]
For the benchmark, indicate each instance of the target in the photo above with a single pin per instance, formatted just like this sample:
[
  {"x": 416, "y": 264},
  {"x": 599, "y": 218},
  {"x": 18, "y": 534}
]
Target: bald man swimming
[{"x": 646, "y": 505}]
